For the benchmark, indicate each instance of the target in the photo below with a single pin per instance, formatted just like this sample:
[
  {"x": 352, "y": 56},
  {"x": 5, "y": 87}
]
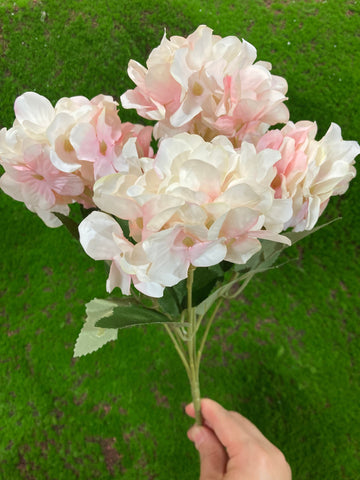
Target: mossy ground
[{"x": 286, "y": 355}]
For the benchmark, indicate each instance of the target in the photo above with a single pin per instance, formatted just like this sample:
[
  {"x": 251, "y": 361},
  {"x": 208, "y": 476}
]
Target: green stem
[
  {"x": 192, "y": 353},
  {"x": 195, "y": 393},
  {"x": 190, "y": 323},
  {"x": 242, "y": 287},
  {"x": 179, "y": 348},
  {"x": 207, "y": 329}
]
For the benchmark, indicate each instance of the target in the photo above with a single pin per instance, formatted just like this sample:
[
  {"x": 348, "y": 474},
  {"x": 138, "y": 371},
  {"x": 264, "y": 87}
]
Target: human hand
[{"x": 232, "y": 448}]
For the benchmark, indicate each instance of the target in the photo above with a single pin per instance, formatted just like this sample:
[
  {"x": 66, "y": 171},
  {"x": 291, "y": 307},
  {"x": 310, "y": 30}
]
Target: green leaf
[
  {"x": 297, "y": 236},
  {"x": 169, "y": 302},
  {"x": 206, "y": 304},
  {"x": 264, "y": 259},
  {"x": 181, "y": 292},
  {"x": 260, "y": 262},
  {"x": 91, "y": 337},
  {"x": 204, "y": 281},
  {"x": 270, "y": 253},
  {"x": 86, "y": 211},
  {"x": 69, "y": 223},
  {"x": 126, "y": 312},
  {"x": 225, "y": 265},
  {"x": 174, "y": 299}
]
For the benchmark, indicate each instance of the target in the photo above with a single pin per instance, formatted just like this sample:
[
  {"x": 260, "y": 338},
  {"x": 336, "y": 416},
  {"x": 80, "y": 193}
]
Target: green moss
[{"x": 286, "y": 355}]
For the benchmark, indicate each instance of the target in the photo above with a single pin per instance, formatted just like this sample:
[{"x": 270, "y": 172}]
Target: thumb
[{"x": 213, "y": 458}]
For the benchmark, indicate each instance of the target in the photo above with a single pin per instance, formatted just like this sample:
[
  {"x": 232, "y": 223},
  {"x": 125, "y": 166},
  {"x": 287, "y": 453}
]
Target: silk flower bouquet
[{"x": 189, "y": 222}]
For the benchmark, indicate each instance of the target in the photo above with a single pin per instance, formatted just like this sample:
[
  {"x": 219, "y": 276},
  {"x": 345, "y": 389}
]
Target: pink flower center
[
  {"x": 37, "y": 176},
  {"x": 188, "y": 242},
  {"x": 67, "y": 146},
  {"x": 197, "y": 89},
  {"x": 103, "y": 147}
]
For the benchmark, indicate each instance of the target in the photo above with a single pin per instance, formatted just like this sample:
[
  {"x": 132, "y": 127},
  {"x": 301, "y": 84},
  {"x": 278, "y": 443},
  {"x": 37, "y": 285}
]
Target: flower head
[
  {"x": 42, "y": 187},
  {"x": 196, "y": 203},
  {"x": 207, "y": 85},
  {"x": 309, "y": 172},
  {"x": 80, "y": 140},
  {"x": 102, "y": 239}
]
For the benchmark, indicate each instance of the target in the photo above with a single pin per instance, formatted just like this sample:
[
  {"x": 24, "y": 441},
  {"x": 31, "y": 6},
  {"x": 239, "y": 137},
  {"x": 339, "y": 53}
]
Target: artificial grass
[{"x": 286, "y": 355}]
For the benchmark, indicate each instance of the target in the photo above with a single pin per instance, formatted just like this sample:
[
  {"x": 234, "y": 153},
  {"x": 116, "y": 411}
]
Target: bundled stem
[
  {"x": 190, "y": 354},
  {"x": 194, "y": 364},
  {"x": 185, "y": 339}
]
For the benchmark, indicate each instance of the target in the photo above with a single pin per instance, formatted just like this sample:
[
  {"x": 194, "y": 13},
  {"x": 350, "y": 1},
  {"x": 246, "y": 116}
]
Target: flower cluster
[
  {"x": 196, "y": 203},
  {"x": 207, "y": 85},
  {"x": 52, "y": 156},
  {"x": 309, "y": 172},
  {"x": 219, "y": 183}
]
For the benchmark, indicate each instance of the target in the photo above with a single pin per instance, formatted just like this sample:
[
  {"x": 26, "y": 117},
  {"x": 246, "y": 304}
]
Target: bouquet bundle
[{"x": 187, "y": 211}]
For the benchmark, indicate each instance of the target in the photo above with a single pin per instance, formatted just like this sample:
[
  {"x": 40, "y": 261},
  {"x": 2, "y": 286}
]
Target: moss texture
[{"x": 286, "y": 354}]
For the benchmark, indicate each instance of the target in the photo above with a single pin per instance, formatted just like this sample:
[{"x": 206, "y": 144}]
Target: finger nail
[{"x": 197, "y": 435}]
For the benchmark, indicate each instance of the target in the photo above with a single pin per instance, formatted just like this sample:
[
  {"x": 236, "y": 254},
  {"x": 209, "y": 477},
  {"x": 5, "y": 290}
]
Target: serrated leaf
[
  {"x": 127, "y": 313},
  {"x": 69, "y": 224},
  {"x": 91, "y": 337}
]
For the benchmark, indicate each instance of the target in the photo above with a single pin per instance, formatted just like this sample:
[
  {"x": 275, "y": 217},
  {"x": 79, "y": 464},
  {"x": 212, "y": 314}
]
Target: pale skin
[{"x": 232, "y": 448}]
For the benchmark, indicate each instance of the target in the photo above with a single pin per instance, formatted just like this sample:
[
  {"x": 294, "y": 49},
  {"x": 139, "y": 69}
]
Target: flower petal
[
  {"x": 97, "y": 232},
  {"x": 34, "y": 112}
]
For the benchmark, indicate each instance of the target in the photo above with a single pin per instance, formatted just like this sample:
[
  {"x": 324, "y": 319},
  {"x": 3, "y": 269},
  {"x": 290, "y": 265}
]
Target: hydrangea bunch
[
  {"x": 53, "y": 155},
  {"x": 216, "y": 203},
  {"x": 196, "y": 203},
  {"x": 207, "y": 85}
]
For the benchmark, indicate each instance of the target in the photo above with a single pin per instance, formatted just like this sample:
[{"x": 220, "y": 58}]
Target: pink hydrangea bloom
[
  {"x": 207, "y": 85},
  {"x": 81, "y": 137},
  {"x": 102, "y": 239},
  {"x": 309, "y": 172},
  {"x": 196, "y": 203},
  {"x": 42, "y": 187},
  {"x": 93, "y": 142}
]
